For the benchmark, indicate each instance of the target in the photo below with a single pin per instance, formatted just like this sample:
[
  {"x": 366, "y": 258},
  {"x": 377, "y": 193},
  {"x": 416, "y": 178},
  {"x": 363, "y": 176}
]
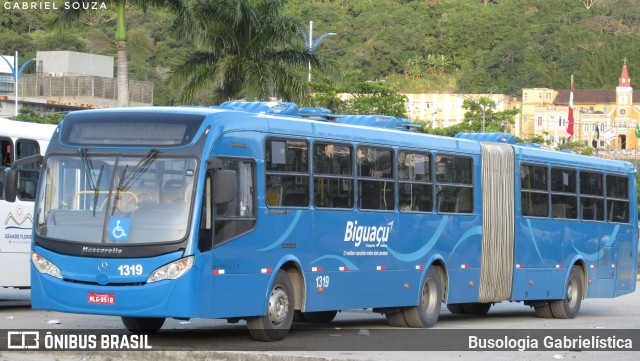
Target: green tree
[
  {"x": 365, "y": 97},
  {"x": 324, "y": 95},
  {"x": 414, "y": 67},
  {"x": 481, "y": 116},
  {"x": 537, "y": 139},
  {"x": 245, "y": 48},
  {"x": 448, "y": 131},
  {"x": 379, "y": 97},
  {"x": 28, "y": 115},
  {"x": 70, "y": 15}
]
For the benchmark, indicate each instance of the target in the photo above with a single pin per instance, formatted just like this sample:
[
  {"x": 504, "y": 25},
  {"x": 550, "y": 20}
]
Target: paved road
[{"x": 341, "y": 340}]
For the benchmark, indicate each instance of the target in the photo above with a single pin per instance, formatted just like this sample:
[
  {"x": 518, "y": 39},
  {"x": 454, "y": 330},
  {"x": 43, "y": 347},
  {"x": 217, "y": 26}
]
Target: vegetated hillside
[
  {"x": 423, "y": 45},
  {"x": 501, "y": 46}
]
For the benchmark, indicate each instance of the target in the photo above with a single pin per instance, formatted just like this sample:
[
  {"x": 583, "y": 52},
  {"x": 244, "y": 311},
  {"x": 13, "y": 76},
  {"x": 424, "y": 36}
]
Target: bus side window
[
  {"x": 591, "y": 196},
  {"x": 617, "y": 198},
  {"x": 376, "y": 187},
  {"x": 415, "y": 186},
  {"x": 237, "y": 217},
  {"x": 564, "y": 199},
  {"x": 333, "y": 176},
  {"x": 28, "y": 177},
  {"x": 5, "y": 160},
  {"x": 287, "y": 173},
  {"x": 5, "y": 145},
  {"x": 454, "y": 184},
  {"x": 534, "y": 191}
]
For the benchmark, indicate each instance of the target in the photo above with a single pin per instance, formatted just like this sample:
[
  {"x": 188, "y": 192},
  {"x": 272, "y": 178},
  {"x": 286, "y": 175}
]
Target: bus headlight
[
  {"x": 44, "y": 266},
  {"x": 172, "y": 270}
]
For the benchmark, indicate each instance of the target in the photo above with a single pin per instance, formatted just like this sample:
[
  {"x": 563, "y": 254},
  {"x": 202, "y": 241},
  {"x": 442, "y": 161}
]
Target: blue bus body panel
[
  {"x": 177, "y": 298},
  {"x": 105, "y": 270},
  {"x": 546, "y": 249},
  {"x": 361, "y": 289},
  {"x": 238, "y": 295},
  {"x": 324, "y": 248}
]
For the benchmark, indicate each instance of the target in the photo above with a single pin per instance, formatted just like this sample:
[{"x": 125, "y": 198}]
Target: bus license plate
[{"x": 102, "y": 298}]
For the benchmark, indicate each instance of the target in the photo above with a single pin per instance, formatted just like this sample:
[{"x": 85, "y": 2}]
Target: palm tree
[
  {"x": 443, "y": 62},
  {"x": 414, "y": 67},
  {"x": 70, "y": 15},
  {"x": 244, "y": 48},
  {"x": 432, "y": 63}
]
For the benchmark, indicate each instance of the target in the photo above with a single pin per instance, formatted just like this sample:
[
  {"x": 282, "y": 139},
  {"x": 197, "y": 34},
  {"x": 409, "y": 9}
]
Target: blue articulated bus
[{"x": 188, "y": 212}]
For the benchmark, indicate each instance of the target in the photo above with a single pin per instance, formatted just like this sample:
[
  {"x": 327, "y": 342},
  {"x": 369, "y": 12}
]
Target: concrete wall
[{"x": 74, "y": 63}]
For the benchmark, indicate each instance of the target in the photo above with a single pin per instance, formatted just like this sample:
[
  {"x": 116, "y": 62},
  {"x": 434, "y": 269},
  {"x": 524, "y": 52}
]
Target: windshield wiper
[
  {"x": 88, "y": 168},
  {"x": 96, "y": 191},
  {"x": 119, "y": 188},
  {"x": 141, "y": 168},
  {"x": 126, "y": 182}
]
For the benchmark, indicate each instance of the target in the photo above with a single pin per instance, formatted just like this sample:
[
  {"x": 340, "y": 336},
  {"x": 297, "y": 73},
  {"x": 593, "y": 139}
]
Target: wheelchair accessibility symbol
[{"x": 119, "y": 229}]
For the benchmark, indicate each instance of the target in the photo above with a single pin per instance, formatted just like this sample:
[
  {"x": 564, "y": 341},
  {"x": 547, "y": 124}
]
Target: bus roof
[
  {"x": 572, "y": 160},
  {"x": 19, "y": 129}
]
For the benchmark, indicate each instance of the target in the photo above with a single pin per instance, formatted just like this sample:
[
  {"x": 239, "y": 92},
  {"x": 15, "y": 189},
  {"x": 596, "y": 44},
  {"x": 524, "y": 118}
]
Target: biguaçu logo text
[{"x": 372, "y": 236}]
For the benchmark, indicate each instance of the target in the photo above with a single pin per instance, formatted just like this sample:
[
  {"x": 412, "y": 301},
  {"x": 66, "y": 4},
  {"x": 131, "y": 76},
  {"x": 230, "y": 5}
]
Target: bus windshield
[{"x": 115, "y": 199}]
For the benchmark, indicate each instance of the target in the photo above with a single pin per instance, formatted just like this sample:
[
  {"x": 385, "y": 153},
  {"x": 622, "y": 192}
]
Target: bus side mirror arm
[
  {"x": 11, "y": 176},
  {"x": 224, "y": 182}
]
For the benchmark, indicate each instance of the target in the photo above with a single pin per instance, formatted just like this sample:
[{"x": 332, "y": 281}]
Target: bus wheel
[
  {"x": 142, "y": 324},
  {"x": 275, "y": 325},
  {"x": 456, "y": 308},
  {"x": 544, "y": 311},
  {"x": 476, "y": 308},
  {"x": 317, "y": 317},
  {"x": 570, "y": 305},
  {"x": 428, "y": 310},
  {"x": 396, "y": 319}
]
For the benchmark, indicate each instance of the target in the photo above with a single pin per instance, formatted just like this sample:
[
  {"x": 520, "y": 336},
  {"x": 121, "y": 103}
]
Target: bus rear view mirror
[
  {"x": 224, "y": 186},
  {"x": 10, "y": 188},
  {"x": 224, "y": 182}
]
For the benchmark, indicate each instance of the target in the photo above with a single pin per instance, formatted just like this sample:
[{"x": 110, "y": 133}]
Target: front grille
[{"x": 124, "y": 284}]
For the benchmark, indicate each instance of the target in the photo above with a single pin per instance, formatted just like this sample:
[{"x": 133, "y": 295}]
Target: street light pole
[
  {"x": 15, "y": 78},
  {"x": 310, "y": 40},
  {"x": 314, "y": 44},
  {"x": 16, "y": 72}
]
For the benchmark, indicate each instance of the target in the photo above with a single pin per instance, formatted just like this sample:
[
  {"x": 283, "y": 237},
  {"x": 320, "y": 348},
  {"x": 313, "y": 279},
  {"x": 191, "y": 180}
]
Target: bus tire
[
  {"x": 456, "y": 308},
  {"x": 396, "y": 319},
  {"x": 144, "y": 325},
  {"x": 275, "y": 325},
  {"x": 476, "y": 308},
  {"x": 317, "y": 317},
  {"x": 426, "y": 313},
  {"x": 569, "y": 306},
  {"x": 543, "y": 311}
]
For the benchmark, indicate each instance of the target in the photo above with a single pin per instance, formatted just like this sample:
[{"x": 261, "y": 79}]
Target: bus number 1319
[
  {"x": 130, "y": 270},
  {"x": 322, "y": 281}
]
